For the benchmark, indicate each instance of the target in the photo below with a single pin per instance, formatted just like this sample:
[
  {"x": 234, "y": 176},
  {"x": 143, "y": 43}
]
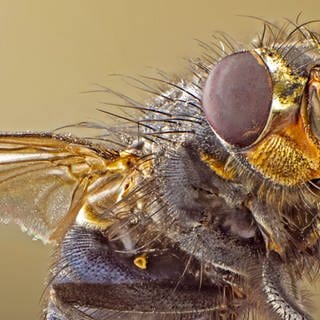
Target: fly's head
[{"x": 278, "y": 138}]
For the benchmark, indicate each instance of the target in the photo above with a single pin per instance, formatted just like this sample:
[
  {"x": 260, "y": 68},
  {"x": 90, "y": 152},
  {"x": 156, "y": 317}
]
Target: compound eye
[{"x": 237, "y": 98}]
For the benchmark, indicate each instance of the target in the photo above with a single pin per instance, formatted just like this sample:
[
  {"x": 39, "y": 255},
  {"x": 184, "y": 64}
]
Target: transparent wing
[{"x": 44, "y": 180}]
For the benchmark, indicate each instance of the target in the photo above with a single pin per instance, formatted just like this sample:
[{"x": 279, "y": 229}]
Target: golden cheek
[
  {"x": 284, "y": 160},
  {"x": 219, "y": 167}
]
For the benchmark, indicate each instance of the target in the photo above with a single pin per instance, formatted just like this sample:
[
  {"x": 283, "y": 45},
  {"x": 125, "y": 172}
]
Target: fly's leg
[
  {"x": 278, "y": 296},
  {"x": 213, "y": 247},
  {"x": 228, "y": 262}
]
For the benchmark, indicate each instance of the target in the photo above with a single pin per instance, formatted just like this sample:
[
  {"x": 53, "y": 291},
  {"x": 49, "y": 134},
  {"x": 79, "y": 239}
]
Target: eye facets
[{"x": 237, "y": 98}]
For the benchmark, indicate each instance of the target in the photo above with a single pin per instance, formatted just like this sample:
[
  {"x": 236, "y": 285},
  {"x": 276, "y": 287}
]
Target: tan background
[{"x": 50, "y": 51}]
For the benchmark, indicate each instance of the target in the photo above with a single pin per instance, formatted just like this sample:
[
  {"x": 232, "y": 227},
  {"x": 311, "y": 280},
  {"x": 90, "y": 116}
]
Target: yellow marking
[
  {"x": 124, "y": 162},
  {"x": 96, "y": 220},
  {"x": 288, "y": 157},
  {"x": 312, "y": 239},
  {"x": 217, "y": 166},
  {"x": 282, "y": 78},
  {"x": 140, "y": 262},
  {"x": 273, "y": 246},
  {"x": 110, "y": 182}
]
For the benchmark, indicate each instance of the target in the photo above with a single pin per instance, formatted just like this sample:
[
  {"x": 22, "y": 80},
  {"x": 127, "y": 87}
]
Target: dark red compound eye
[{"x": 237, "y": 98}]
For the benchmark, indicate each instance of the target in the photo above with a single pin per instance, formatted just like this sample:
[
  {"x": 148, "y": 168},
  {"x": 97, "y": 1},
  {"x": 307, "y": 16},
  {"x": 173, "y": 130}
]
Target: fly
[{"x": 203, "y": 204}]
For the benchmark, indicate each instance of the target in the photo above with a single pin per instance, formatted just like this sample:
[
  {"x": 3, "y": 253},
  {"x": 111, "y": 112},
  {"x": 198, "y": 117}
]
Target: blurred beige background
[{"x": 50, "y": 51}]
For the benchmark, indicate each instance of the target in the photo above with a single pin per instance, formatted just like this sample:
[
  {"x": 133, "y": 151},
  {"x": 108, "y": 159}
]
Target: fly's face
[
  {"x": 276, "y": 139},
  {"x": 203, "y": 205}
]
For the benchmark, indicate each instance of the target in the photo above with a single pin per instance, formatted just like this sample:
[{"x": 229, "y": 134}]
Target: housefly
[{"x": 202, "y": 204}]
